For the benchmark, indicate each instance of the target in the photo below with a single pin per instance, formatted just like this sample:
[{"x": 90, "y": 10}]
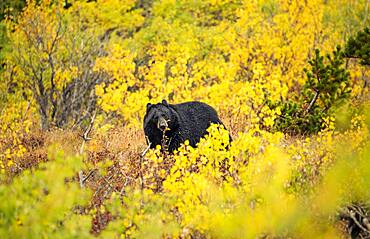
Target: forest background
[{"x": 289, "y": 78}]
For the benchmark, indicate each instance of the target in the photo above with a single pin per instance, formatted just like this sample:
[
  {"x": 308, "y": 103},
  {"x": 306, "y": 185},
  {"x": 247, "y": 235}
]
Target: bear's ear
[
  {"x": 164, "y": 102},
  {"x": 148, "y": 106}
]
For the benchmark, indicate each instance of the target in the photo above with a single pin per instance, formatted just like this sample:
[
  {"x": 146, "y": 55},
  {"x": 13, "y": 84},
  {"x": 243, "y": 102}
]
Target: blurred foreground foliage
[
  {"x": 45, "y": 202},
  {"x": 296, "y": 105}
]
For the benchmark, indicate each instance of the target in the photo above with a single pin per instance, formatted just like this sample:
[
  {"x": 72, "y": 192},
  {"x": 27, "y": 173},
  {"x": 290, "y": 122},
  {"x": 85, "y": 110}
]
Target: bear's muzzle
[{"x": 162, "y": 124}]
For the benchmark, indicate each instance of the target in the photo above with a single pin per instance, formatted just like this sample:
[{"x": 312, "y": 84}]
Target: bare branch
[
  {"x": 81, "y": 177},
  {"x": 146, "y": 150},
  {"x": 142, "y": 155},
  {"x": 85, "y": 136},
  {"x": 313, "y": 101}
]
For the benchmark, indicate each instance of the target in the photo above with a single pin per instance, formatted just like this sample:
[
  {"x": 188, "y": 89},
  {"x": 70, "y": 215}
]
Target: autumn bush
[{"x": 290, "y": 80}]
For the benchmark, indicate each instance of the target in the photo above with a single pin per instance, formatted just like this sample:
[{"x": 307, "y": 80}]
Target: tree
[
  {"x": 359, "y": 47},
  {"x": 52, "y": 57},
  {"x": 327, "y": 85}
]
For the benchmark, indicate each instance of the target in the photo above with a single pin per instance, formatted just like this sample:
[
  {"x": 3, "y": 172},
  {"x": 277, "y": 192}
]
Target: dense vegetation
[{"x": 290, "y": 80}]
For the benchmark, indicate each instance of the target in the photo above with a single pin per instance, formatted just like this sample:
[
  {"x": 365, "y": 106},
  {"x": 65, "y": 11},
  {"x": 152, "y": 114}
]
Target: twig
[
  {"x": 365, "y": 221},
  {"x": 102, "y": 185},
  {"x": 108, "y": 182},
  {"x": 81, "y": 177},
  {"x": 89, "y": 175},
  {"x": 146, "y": 150},
  {"x": 164, "y": 145},
  {"x": 351, "y": 213},
  {"x": 122, "y": 192},
  {"x": 85, "y": 136},
  {"x": 88, "y": 130},
  {"x": 312, "y": 101},
  {"x": 25, "y": 112},
  {"x": 142, "y": 155},
  {"x": 111, "y": 186}
]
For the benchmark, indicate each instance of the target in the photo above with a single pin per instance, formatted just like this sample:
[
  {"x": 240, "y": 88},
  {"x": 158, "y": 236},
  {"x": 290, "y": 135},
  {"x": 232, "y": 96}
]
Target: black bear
[{"x": 178, "y": 122}]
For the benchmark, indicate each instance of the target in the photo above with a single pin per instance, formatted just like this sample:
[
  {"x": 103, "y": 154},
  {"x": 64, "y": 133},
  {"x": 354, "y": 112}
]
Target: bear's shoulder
[
  {"x": 193, "y": 107},
  {"x": 190, "y": 103}
]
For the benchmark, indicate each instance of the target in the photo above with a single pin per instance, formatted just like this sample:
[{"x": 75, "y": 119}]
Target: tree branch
[{"x": 313, "y": 101}]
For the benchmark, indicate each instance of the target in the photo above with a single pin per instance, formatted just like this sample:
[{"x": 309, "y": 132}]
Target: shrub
[
  {"x": 45, "y": 202},
  {"x": 326, "y": 87}
]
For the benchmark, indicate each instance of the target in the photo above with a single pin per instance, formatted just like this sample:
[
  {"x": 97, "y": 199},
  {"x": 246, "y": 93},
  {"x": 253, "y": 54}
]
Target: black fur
[{"x": 186, "y": 121}]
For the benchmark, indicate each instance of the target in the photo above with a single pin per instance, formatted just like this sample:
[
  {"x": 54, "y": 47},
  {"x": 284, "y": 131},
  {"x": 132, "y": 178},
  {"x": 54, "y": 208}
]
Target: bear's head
[{"x": 160, "y": 117}]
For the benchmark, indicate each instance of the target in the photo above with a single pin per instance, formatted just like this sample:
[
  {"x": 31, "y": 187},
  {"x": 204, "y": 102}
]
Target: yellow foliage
[
  {"x": 249, "y": 188},
  {"x": 234, "y": 55},
  {"x": 15, "y": 123}
]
